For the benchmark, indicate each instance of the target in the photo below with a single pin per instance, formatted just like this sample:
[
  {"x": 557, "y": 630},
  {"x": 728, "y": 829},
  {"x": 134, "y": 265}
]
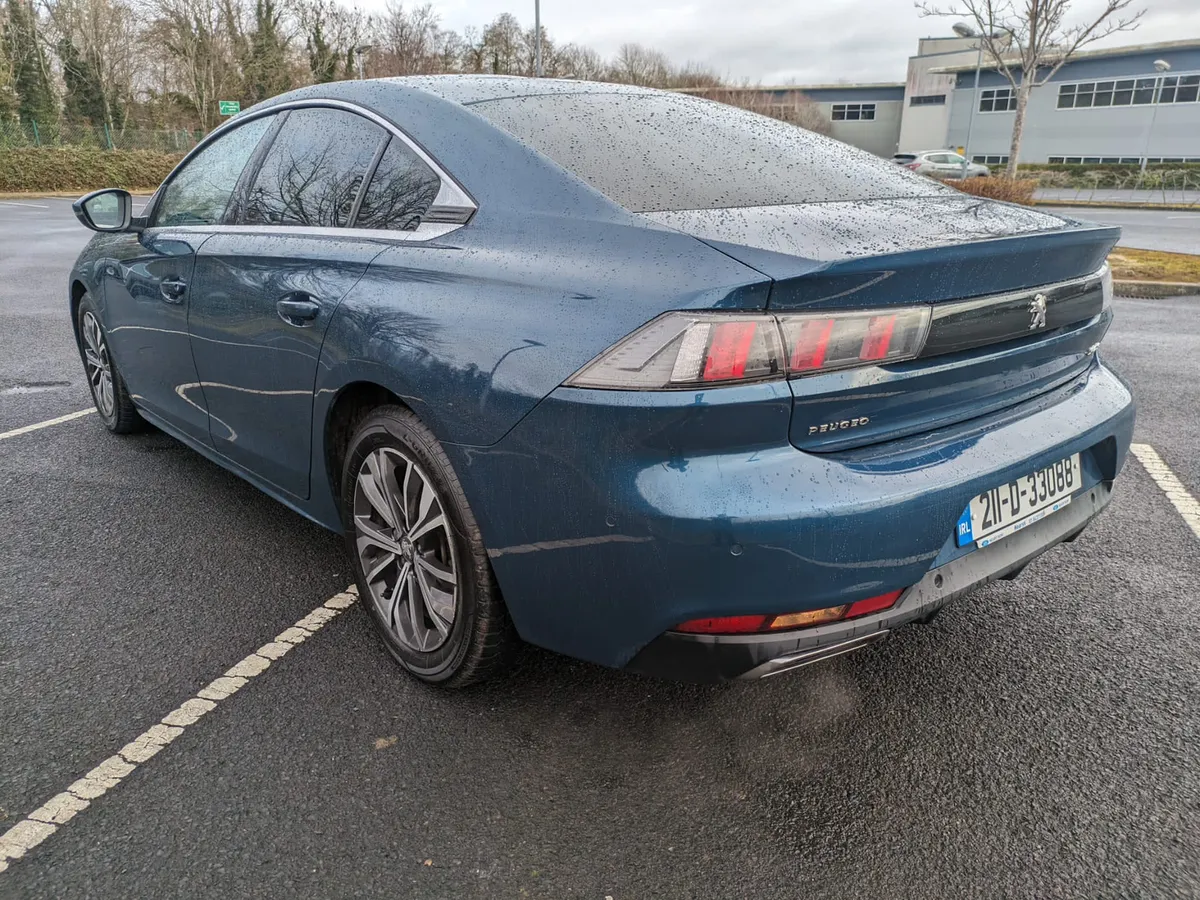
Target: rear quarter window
[{"x": 652, "y": 152}]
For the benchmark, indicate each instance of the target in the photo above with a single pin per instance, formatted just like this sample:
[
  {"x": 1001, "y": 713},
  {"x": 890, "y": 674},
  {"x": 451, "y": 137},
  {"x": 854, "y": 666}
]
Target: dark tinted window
[
  {"x": 401, "y": 191},
  {"x": 312, "y": 173},
  {"x": 660, "y": 152},
  {"x": 200, "y": 191}
]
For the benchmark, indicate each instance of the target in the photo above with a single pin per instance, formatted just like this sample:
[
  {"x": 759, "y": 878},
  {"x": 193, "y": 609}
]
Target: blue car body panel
[
  {"x": 611, "y": 516},
  {"x": 667, "y": 521}
]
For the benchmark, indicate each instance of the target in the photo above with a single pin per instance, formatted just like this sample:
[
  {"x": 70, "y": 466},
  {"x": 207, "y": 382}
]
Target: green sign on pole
[{"x": 229, "y": 107}]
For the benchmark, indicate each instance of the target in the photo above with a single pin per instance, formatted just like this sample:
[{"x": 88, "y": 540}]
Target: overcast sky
[{"x": 772, "y": 41}]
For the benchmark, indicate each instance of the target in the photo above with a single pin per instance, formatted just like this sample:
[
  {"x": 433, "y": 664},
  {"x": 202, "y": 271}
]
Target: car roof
[{"x": 468, "y": 89}]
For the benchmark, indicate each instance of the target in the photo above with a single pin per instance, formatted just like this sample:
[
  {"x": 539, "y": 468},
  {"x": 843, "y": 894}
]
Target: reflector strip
[
  {"x": 723, "y": 625},
  {"x": 873, "y": 604},
  {"x": 729, "y": 351},
  {"x": 879, "y": 337}
]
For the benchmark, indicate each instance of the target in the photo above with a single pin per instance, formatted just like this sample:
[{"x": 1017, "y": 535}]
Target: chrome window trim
[
  {"x": 453, "y": 205},
  {"x": 426, "y": 231}
]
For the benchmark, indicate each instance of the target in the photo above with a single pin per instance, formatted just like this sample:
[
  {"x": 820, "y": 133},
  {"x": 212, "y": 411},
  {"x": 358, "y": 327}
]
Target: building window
[
  {"x": 1129, "y": 92},
  {"x": 1179, "y": 89},
  {"x": 997, "y": 100},
  {"x": 1117, "y": 160},
  {"x": 853, "y": 112},
  {"x": 927, "y": 100},
  {"x": 990, "y": 160}
]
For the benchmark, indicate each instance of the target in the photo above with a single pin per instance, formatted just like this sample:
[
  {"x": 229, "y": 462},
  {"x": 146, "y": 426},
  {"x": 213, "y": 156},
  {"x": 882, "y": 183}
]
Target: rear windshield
[
  {"x": 907, "y": 157},
  {"x": 663, "y": 152}
]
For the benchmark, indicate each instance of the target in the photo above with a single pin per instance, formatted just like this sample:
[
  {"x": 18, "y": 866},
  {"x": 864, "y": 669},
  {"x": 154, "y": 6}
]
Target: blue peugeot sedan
[{"x": 637, "y": 377}]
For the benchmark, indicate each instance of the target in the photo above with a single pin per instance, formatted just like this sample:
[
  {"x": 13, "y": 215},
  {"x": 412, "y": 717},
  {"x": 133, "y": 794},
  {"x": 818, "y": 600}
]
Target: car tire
[
  {"x": 109, "y": 394},
  {"x": 428, "y": 587}
]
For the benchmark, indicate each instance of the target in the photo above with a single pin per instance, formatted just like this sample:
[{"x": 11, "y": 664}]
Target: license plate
[{"x": 1004, "y": 510}]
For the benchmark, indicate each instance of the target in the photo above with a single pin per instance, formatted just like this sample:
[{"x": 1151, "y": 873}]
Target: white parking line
[
  {"x": 1187, "y": 505},
  {"x": 62, "y": 807},
  {"x": 27, "y": 205},
  {"x": 16, "y": 432}
]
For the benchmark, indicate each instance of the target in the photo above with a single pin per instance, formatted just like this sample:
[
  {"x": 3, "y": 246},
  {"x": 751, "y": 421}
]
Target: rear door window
[
  {"x": 400, "y": 191},
  {"x": 199, "y": 192},
  {"x": 314, "y": 170}
]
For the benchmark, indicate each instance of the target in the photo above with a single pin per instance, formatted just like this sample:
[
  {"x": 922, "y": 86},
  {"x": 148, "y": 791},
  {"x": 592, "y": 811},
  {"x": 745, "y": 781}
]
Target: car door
[
  {"x": 937, "y": 165},
  {"x": 269, "y": 283},
  {"x": 147, "y": 281},
  {"x": 956, "y": 166}
]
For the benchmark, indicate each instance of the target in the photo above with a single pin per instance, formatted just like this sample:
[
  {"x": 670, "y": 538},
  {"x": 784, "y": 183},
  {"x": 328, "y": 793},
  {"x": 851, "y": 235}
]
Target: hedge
[
  {"x": 1011, "y": 190},
  {"x": 1169, "y": 176},
  {"x": 37, "y": 169}
]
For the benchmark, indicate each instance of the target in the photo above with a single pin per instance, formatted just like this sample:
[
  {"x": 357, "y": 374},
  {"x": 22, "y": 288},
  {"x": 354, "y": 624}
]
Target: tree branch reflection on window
[
  {"x": 400, "y": 193},
  {"x": 313, "y": 171}
]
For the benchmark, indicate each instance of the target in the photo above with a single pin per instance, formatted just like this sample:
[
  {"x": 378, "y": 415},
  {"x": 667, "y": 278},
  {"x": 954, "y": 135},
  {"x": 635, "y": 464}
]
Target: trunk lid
[{"x": 1017, "y": 304}]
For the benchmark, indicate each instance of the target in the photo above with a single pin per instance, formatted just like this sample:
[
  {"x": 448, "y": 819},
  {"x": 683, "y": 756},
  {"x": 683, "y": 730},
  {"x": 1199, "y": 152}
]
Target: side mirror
[{"x": 108, "y": 210}]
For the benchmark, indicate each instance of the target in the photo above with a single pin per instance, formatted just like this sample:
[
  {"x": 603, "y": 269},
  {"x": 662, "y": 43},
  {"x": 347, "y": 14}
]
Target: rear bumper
[
  {"x": 708, "y": 658},
  {"x": 610, "y": 517}
]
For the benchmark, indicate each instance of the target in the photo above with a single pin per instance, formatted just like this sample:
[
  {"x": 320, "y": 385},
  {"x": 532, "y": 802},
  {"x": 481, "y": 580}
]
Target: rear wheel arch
[
  {"x": 353, "y": 403},
  {"x": 78, "y": 291}
]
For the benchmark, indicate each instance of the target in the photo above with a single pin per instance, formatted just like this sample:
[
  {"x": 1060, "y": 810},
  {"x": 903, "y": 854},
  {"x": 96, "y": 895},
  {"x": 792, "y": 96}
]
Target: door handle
[
  {"x": 172, "y": 289},
  {"x": 297, "y": 310}
]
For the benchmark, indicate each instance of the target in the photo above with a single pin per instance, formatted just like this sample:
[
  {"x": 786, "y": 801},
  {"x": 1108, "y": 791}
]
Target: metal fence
[
  {"x": 101, "y": 137},
  {"x": 1153, "y": 187}
]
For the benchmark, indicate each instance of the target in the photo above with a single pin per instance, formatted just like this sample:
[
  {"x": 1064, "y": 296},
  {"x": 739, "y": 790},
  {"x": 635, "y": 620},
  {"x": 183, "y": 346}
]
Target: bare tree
[
  {"x": 1030, "y": 40},
  {"x": 473, "y": 55},
  {"x": 504, "y": 46},
  {"x": 636, "y": 64},
  {"x": 196, "y": 39},
  {"x": 99, "y": 31},
  {"x": 331, "y": 32},
  {"x": 408, "y": 40},
  {"x": 575, "y": 61}
]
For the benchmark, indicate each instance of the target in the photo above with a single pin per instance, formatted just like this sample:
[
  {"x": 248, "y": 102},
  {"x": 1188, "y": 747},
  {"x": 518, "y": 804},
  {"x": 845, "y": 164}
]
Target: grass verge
[{"x": 1129, "y": 264}]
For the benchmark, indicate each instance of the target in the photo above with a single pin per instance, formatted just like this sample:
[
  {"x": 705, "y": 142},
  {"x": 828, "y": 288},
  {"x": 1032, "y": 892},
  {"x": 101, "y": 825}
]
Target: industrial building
[{"x": 1119, "y": 105}]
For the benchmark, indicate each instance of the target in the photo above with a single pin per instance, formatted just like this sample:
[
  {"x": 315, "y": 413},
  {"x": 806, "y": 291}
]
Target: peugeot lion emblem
[{"x": 1037, "y": 312}]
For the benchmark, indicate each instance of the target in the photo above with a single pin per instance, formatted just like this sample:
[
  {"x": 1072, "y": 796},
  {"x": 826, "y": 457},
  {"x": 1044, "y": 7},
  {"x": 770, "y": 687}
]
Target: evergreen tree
[
  {"x": 266, "y": 70},
  {"x": 322, "y": 59},
  {"x": 31, "y": 71},
  {"x": 84, "y": 99},
  {"x": 8, "y": 92}
]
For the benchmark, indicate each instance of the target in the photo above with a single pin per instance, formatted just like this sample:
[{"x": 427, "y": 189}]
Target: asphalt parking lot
[{"x": 1039, "y": 739}]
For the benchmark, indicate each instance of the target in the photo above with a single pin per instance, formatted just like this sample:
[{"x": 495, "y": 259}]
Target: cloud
[{"x": 769, "y": 41}]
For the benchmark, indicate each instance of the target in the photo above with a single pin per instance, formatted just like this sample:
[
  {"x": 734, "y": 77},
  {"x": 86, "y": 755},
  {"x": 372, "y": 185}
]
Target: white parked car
[{"x": 941, "y": 164}]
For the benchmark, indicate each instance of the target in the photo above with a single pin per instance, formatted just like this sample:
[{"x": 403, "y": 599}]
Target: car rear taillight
[
  {"x": 821, "y": 342},
  {"x": 686, "y": 350},
  {"x": 912, "y": 165},
  {"x": 806, "y": 619}
]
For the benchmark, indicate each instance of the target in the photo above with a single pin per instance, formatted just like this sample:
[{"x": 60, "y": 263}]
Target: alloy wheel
[
  {"x": 99, "y": 368},
  {"x": 406, "y": 550}
]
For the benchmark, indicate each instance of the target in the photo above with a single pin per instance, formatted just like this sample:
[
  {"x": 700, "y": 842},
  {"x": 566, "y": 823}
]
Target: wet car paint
[{"x": 610, "y": 515}]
